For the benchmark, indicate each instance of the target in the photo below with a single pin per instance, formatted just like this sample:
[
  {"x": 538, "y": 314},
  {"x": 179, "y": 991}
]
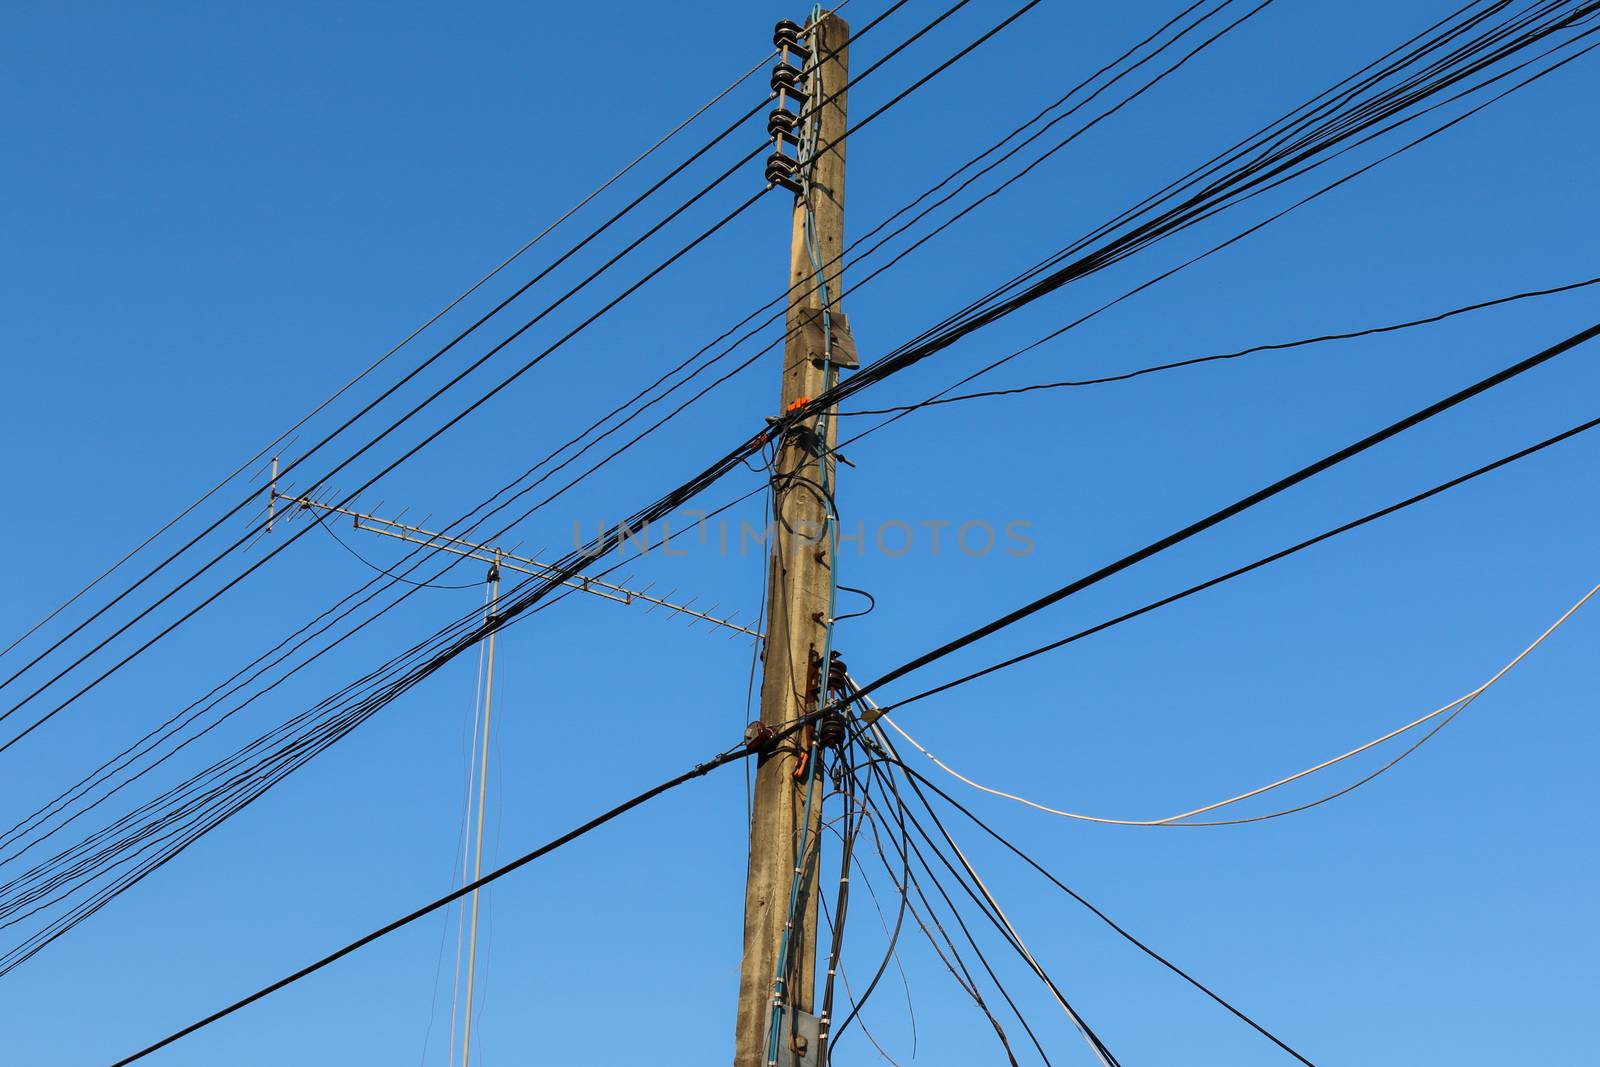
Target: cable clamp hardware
[
  {"x": 784, "y": 172},
  {"x": 758, "y": 736}
]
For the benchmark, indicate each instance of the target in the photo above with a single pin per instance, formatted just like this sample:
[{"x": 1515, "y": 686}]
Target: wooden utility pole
[{"x": 800, "y": 579}]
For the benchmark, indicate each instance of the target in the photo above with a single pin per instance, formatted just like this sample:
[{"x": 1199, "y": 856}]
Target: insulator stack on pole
[{"x": 791, "y": 80}]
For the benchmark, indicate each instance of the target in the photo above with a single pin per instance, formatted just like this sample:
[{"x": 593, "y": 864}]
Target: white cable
[{"x": 1450, "y": 711}]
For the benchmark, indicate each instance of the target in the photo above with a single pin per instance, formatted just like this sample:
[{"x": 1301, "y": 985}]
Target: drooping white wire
[{"x": 1449, "y": 711}]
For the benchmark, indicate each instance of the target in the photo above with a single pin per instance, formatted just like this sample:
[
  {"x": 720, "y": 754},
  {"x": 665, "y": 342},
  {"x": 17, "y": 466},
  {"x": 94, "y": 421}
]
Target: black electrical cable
[
  {"x": 407, "y": 340},
  {"x": 938, "y": 230},
  {"x": 940, "y": 68},
  {"x": 409, "y": 376},
  {"x": 867, "y": 816},
  {"x": 709, "y": 475},
  {"x": 977, "y": 315},
  {"x": 265, "y": 740},
  {"x": 212, "y": 807},
  {"x": 965, "y": 879},
  {"x": 1243, "y": 504},
  {"x": 970, "y": 982},
  {"x": 1082, "y": 241},
  {"x": 252, "y": 568},
  {"x": 883, "y": 966},
  {"x": 798, "y": 285},
  {"x": 471, "y": 616},
  {"x": 944, "y": 66},
  {"x": 208, "y": 702},
  {"x": 974, "y": 318},
  {"x": 722, "y": 759},
  {"x": 189, "y": 713},
  {"x": 795, "y": 290},
  {"x": 1188, "y": 180},
  {"x": 872, "y": 603},
  {"x": 1326, "y": 535},
  {"x": 193, "y": 710},
  {"x": 847, "y": 839},
  {"x": 255, "y": 778},
  {"x": 387, "y": 572},
  {"x": 602, "y": 228},
  {"x": 909, "y": 409},
  {"x": 965, "y": 978},
  {"x": 1047, "y": 109},
  {"x": 1236, "y": 354},
  {"x": 983, "y": 960},
  {"x": 503, "y": 384},
  {"x": 955, "y": 913}
]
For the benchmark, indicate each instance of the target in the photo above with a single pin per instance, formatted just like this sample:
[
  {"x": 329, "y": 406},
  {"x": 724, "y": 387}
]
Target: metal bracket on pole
[
  {"x": 843, "y": 353},
  {"x": 797, "y": 1043}
]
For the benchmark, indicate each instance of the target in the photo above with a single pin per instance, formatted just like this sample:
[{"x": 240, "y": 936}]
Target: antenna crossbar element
[{"x": 457, "y": 546}]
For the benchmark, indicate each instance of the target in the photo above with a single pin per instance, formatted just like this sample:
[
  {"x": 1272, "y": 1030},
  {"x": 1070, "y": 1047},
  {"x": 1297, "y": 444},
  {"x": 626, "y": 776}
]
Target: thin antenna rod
[{"x": 483, "y": 779}]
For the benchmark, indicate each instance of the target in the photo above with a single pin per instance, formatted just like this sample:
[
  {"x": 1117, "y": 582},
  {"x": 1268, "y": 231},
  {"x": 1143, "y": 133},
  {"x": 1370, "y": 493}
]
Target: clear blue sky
[{"x": 217, "y": 213}]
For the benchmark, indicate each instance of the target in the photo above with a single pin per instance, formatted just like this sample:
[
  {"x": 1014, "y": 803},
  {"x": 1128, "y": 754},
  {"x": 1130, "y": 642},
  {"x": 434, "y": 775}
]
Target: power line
[
  {"x": 534, "y": 595},
  {"x": 1193, "y": 361},
  {"x": 906, "y": 848},
  {"x": 704, "y": 235},
  {"x": 919, "y": 780},
  {"x": 430, "y": 665},
  {"x": 722, "y": 759},
  {"x": 1264, "y": 561},
  {"x": 968, "y": 880},
  {"x": 286, "y": 434},
  {"x": 409, "y": 376},
  {"x": 236, "y": 773},
  {"x": 901, "y": 96},
  {"x": 499, "y": 307},
  {"x": 1244, "y": 182},
  {"x": 778, "y": 315},
  {"x": 1243, "y": 504},
  {"x": 900, "y": 412},
  {"x": 387, "y": 572},
  {"x": 924, "y": 80},
  {"x": 504, "y": 383}
]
